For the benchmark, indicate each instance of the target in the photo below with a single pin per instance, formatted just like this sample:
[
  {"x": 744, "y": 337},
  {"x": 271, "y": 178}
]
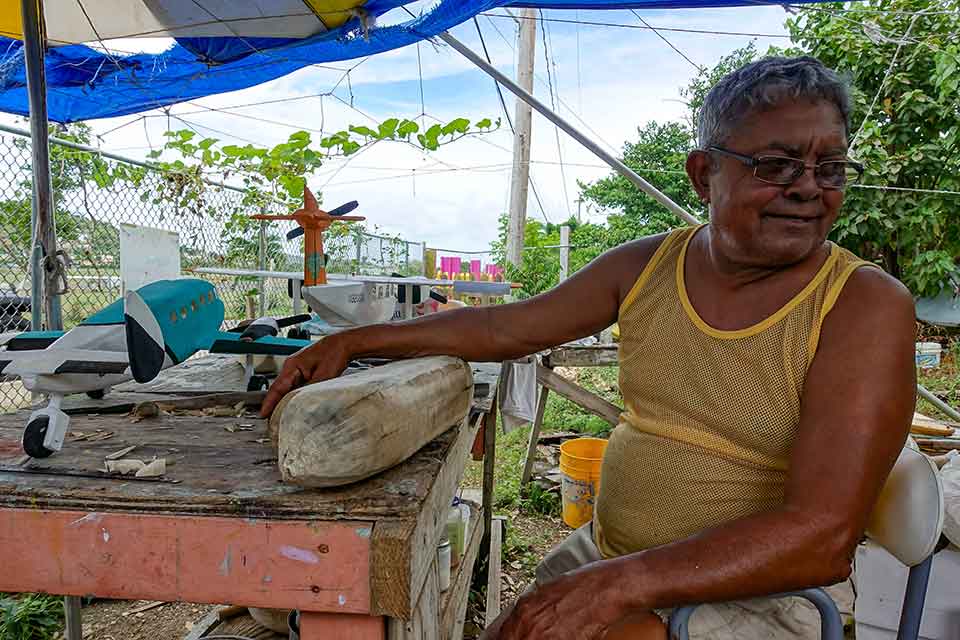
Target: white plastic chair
[{"x": 906, "y": 521}]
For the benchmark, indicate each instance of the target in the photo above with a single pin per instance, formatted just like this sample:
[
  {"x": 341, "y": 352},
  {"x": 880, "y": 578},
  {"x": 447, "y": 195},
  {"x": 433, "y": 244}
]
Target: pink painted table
[{"x": 220, "y": 527}]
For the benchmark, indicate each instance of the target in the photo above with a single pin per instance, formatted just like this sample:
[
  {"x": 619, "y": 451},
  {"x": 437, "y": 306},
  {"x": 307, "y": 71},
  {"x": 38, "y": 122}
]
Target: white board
[{"x": 147, "y": 255}]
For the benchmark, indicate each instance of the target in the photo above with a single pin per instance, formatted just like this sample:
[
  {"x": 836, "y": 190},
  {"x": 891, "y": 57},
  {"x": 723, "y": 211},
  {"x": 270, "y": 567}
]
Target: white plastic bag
[
  {"x": 518, "y": 404},
  {"x": 950, "y": 480}
]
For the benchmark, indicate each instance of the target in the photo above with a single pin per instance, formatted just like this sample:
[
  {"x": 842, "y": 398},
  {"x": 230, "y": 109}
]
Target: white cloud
[{"x": 625, "y": 77}]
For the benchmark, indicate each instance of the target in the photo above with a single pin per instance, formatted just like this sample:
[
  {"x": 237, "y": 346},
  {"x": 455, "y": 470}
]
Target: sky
[{"x": 607, "y": 81}]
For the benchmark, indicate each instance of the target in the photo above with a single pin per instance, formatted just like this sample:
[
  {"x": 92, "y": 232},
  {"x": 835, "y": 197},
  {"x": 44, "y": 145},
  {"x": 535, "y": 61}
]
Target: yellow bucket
[{"x": 580, "y": 462}]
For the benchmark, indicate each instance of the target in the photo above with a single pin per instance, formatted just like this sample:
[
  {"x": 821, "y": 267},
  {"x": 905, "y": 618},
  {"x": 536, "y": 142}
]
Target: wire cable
[{"x": 670, "y": 44}]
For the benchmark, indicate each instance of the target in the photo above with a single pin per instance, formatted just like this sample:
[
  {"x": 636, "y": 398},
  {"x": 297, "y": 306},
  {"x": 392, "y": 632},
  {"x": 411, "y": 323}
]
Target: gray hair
[{"x": 765, "y": 84}]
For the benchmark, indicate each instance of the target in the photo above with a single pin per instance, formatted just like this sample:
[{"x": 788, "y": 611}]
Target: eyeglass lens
[{"x": 781, "y": 170}]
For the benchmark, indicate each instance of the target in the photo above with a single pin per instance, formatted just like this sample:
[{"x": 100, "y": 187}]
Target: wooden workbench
[{"x": 220, "y": 526}]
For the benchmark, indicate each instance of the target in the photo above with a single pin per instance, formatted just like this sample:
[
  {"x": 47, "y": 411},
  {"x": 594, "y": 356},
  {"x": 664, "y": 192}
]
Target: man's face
[{"x": 766, "y": 225}]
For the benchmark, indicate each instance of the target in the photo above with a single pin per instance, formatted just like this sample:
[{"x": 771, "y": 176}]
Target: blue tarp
[{"x": 83, "y": 83}]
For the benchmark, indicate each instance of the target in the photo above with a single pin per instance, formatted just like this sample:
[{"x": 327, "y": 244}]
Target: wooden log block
[{"x": 347, "y": 429}]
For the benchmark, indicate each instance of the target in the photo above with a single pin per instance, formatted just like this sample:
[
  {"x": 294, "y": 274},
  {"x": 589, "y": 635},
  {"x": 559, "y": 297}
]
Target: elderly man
[{"x": 767, "y": 374}]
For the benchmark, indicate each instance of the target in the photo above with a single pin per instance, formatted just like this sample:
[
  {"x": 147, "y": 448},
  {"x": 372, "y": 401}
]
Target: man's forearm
[
  {"x": 759, "y": 555},
  {"x": 479, "y": 334}
]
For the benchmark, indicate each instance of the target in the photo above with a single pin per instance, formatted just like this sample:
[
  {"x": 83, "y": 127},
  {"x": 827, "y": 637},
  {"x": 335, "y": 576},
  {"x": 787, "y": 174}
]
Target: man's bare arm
[
  {"x": 584, "y": 304},
  {"x": 857, "y": 403}
]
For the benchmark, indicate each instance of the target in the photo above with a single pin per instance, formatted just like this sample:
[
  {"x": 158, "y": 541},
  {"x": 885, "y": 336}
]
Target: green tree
[
  {"x": 659, "y": 155},
  {"x": 903, "y": 60},
  {"x": 90, "y": 239}
]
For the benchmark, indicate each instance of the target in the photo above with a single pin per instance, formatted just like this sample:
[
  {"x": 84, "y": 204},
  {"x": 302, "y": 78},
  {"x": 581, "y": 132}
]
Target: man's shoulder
[{"x": 870, "y": 292}]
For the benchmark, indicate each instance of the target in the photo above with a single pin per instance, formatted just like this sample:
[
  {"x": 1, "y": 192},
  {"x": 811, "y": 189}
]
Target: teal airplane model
[{"x": 157, "y": 326}]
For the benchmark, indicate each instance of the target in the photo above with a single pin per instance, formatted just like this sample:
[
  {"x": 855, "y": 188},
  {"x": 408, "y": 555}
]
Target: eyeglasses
[{"x": 832, "y": 174}]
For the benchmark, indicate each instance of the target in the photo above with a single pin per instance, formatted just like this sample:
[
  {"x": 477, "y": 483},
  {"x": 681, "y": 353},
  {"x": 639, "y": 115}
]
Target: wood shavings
[
  {"x": 156, "y": 468},
  {"x": 96, "y": 436},
  {"x": 140, "y": 469},
  {"x": 116, "y": 455},
  {"x": 123, "y": 467},
  {"x": 219, "y": 412}
]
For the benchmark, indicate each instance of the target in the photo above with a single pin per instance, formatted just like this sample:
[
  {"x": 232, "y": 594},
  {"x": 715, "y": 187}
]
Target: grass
[
  {"x": 560, "y": 415},
  {"x": 31, "y": 616},
  {"x": 943, "y": 381}
]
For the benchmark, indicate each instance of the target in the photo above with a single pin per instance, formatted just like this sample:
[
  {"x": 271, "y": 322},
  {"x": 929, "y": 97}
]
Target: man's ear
[{"x": 699, "y": 169}]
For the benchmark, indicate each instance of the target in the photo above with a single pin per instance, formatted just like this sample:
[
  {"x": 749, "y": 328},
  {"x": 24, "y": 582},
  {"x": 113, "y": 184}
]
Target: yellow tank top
[{"x": 710, "y": 415}]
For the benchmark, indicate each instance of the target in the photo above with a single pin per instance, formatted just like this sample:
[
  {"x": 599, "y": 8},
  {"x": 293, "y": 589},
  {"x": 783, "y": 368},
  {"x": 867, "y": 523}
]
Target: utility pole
[{"x": 527, "y": 42}]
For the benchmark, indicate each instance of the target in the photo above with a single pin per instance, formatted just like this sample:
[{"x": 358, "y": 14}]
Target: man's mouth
[{"x": 791, "y": 217}]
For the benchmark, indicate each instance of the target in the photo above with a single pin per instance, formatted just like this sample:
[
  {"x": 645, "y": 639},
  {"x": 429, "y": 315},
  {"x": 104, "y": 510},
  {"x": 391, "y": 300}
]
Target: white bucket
[{"x": 928, "y": 354}]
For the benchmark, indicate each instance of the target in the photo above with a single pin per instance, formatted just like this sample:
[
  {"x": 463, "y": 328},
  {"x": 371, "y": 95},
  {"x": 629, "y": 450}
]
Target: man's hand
[
  {"x": 321, "y": 361},
  {"x": 579, "y": 605}
]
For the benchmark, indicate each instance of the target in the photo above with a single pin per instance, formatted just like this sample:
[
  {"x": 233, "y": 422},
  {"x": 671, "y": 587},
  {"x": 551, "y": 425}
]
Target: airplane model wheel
[
  {"x": 98, "y": 394},
  {"x": 33, "y": 437},
  {"x": 258, "y": 383}
]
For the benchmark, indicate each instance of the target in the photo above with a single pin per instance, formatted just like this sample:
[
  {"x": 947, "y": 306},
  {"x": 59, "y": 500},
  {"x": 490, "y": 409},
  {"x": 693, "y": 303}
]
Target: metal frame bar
[
  {"x": 913, "y": 599},
  {"x": 43, "y": 227},
  {"x": 553, "y": 117}
]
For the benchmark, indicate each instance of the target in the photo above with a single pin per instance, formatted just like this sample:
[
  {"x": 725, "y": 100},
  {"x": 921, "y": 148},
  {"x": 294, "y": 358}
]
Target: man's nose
[{"x": 805, "y": 186}]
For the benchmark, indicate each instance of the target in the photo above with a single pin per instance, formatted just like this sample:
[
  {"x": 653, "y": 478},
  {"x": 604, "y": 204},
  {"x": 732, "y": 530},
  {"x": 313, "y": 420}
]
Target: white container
[
  {"x": 881, "y": 580},
  {"x": 928, "y": 354},
  {"x": 443, "y": 564}
]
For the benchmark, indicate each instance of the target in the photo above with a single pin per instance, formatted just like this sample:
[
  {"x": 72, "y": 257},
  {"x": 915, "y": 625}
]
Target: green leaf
[
  {"x": 407, "y": 127},
  {"x": 484, "y": 124},
  {"x": 460, "y": 125},
  {"x": 388, "y": 128},
  {"x": 363, "y": 131}
]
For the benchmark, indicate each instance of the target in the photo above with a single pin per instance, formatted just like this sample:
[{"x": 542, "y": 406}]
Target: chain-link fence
[{"x": 94, "y": 195}]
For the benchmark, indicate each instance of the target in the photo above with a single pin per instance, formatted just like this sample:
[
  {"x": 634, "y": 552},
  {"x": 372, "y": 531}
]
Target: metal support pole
[
  {"x": 911, "y": 614},
  {"x": 564, "y": 252},
  {"x": 262, "y": 266},
  {"x": 623, "y": 169},
  {"x": 938, "y": 403},
  {"x": 43, "y": 228}
]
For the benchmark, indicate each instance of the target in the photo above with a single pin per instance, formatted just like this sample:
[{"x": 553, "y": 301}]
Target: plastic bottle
[{"x": 455, "y": 532}]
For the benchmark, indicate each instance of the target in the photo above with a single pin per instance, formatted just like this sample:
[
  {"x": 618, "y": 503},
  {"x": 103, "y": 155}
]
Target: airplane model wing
[
  {"x": 266, "y": 346},
  {"x": 45, "y": 362},
  {"x": 29, "y": 340}
]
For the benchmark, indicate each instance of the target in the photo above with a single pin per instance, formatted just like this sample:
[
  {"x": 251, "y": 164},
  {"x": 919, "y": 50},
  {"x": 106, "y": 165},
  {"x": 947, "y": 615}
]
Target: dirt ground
[{"x": 115, "y": 620}]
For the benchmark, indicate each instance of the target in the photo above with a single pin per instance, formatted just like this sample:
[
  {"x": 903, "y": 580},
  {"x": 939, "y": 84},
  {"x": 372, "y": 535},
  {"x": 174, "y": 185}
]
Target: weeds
[{"x": 31, "y": 616}]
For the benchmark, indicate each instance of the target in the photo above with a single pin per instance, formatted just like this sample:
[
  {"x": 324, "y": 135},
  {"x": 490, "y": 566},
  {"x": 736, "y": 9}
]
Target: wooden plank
[
  {"x": 345, "y": 430},
  {"x": 203, "y": 625},
  {"x": 578, "y": 395},
  {"x": 531, "y": 453},
  {"x": 424, "y": 624},
  {"x": 309, "y": 565},
  {"x": 924, "y": 425},
  {"x": 582, "y": 356},
  {"x": 489, "y": 459},
  {"x": 404, "y": 551},
  {"x": 73, "y": 618},
  {"x": 210, "y": 471},
  {"x": 332, "y": 626},
  {"x": 453, "y": 608},
  {"x": 493, "y": 574}
]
